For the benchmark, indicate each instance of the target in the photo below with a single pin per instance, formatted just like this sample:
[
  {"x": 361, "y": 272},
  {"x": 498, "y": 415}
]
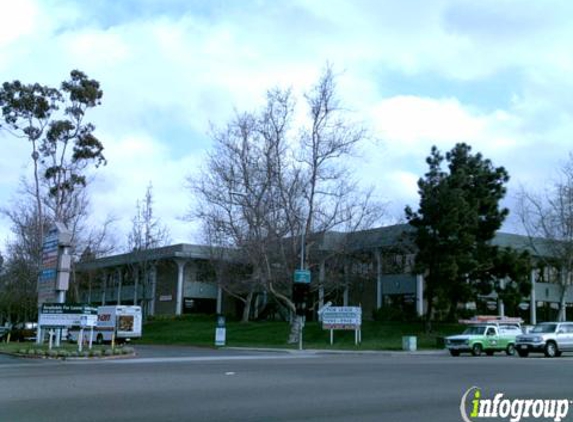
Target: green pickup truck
[{"x": 485, "y": 338}]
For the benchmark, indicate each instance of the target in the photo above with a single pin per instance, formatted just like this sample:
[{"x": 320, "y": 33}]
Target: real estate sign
[
  {"x": 67, "y": 315},
  {"x": 342, "y": 318}
]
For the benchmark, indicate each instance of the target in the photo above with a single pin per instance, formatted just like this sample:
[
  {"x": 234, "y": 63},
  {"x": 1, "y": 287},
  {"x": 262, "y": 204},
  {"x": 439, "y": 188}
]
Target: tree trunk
[
  {"x": 563, "y": 304},
  {"x": 295, "y": 329},
  {"x": 247, "y": 308},
  {"x": 429, "y": 311}
]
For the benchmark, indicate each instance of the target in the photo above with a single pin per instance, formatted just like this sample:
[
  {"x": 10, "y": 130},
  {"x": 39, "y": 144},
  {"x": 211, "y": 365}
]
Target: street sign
[{"x": 302, "y": 276}]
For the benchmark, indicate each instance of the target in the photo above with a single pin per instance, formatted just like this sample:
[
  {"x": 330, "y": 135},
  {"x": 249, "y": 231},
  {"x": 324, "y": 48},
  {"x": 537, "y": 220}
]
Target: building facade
[{"x": 371, "y": 268}]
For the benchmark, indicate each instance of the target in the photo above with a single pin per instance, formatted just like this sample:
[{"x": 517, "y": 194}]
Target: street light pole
[{"x": 301, "y": 317}]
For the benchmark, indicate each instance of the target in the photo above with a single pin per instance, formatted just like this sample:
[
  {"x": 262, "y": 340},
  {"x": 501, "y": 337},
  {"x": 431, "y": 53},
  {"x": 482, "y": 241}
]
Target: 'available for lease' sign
[{"x": 342, "y": 318}]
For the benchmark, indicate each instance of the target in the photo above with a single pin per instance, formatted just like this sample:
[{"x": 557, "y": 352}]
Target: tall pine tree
[{"x": 458, "y": 216}]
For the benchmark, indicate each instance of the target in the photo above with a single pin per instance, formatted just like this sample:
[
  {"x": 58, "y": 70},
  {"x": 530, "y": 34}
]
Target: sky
[{"x": 495, "y": 74}]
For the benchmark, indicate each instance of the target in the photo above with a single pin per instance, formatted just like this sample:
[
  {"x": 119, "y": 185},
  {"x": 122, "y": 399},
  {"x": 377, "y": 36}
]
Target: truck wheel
[
  {"x": 523, "y": 353},
  {"x": 454, "y": 352},
  {"x": 551, "y": 349},
  {"x": 99, "y": 339},
  {"x": 477, "y": 349},
  {"x": 510, "y": 349}
]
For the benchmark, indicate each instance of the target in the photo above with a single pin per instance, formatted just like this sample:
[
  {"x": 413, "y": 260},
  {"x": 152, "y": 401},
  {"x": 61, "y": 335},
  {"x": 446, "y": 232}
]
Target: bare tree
[
  {"x": 268, "y": 185},
  {"x": 548, "y": 221},
  {"x": 147, "y": 232},
  {"x": 75, "y": 214}
]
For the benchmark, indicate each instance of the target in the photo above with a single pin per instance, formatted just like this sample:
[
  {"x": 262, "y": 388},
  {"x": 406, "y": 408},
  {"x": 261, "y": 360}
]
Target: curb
[{"x": 436, "y": 352}]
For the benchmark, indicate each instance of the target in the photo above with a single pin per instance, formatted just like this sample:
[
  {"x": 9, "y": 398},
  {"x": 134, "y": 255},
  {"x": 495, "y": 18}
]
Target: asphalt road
[{"x": 205, "y": 385}]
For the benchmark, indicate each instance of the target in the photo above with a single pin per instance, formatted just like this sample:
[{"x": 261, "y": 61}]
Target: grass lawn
[{"x": 200, "y": 331}]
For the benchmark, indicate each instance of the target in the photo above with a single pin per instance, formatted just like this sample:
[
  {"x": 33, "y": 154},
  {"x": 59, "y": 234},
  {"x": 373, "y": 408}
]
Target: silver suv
[{"x": 551, "y": 338}]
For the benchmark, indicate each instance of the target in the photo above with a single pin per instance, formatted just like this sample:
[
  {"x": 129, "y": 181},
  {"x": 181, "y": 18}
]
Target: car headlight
[
  {"x": 466, "y": 342},
  {"x": 537, "y": 339}
]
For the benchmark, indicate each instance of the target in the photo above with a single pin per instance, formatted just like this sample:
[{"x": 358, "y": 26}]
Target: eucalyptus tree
[{"x": 62, "y": 142}]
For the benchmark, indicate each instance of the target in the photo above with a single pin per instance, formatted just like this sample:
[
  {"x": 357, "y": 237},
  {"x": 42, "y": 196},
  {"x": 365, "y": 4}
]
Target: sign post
[
  {"x": 220, "y": 331},
  {"x": 301, "y": 288}
]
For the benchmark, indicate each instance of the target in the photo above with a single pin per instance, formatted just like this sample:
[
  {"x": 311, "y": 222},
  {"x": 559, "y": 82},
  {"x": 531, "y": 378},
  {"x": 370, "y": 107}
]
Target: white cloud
[
  {"x": 166, "y": 75},
  {"x": 17, "y": 20}
]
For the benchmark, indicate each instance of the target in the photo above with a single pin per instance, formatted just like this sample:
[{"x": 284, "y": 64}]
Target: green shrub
[
  {"x": 395, "y": 313},
  {"x": 108, "y": 352},
  {"x": 63, "y": 354},
  {"x": 22, "y": 351}
]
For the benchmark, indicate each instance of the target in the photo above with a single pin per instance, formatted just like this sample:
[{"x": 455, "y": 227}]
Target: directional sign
[{"x": 302, "y": 276}]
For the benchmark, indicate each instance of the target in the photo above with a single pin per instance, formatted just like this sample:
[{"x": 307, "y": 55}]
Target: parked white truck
[{"x": 123, "y": 322}]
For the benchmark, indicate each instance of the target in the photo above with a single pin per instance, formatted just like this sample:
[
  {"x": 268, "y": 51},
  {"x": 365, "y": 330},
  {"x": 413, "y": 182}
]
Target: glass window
[
  {"x": 475, "y": 330},
  {"x": 544, "y": 328}
]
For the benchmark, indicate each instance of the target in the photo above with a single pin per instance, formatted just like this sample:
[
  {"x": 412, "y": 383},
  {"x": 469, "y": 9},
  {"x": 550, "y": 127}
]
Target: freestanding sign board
[
  {"x": 47, "y": 279},
  {"x": 56, "y": 261},
  {"x": 61, "y": 315},
  {"x": 343, "y": 318}
]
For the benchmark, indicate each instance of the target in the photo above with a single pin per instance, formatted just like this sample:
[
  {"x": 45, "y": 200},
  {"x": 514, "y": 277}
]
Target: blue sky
[{"x": 495, "y": 74}]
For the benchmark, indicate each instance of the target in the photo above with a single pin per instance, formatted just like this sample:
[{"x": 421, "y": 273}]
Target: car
[
  {"x": 549, "y": 338},
  {"x": 485, "y": 338},
  {"x": 24, "y": 331}
]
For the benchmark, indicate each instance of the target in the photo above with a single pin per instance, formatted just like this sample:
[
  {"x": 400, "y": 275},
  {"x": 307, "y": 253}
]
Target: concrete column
[
  {"x": 500, "y": 304},
  {"x": 378, "y": 256},
  {"x": 135, "y": 284},
  {"x": 563, "y": 300},
  {"x": 219, "y": 300},
  {"x": 180, "y": 281},
  {"x": 346, "y": 276},
  {"x": 119, "y": 284},
  {"x": 321, "y": 280},
  {"x": 533, "y": 300},
  {"x": 104, "y": 287},
  {"x": 420, "y": 294},
  {"x": 153, "y": 275}
]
